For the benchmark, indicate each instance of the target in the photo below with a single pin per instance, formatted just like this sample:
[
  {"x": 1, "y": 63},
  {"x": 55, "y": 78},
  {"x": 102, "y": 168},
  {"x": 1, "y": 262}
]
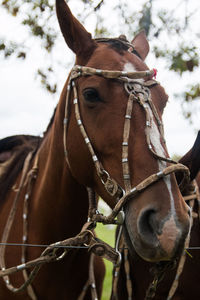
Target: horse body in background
[
  {"x": 113, "y": 117},
  {"x": 175, "y": 285}
]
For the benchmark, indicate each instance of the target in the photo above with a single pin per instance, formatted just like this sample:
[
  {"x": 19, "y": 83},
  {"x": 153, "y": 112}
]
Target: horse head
[{"x": 113, "y": 124}]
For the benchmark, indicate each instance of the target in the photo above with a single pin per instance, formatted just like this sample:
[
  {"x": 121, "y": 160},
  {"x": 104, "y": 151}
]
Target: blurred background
[{"x": 35, "y": 61}]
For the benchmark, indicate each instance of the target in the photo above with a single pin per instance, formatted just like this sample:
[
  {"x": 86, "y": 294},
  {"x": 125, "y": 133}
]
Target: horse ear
[
  {"x": 141, "y": 44},
  {"x": 75, "y": 35}
]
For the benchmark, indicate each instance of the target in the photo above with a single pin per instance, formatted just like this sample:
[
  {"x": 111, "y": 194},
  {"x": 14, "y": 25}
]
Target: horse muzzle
[{"x": 156, "y": 239}]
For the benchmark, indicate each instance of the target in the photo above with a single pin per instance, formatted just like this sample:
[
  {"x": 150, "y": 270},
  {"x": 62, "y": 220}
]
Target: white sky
[{"x": 26, "y": 108}]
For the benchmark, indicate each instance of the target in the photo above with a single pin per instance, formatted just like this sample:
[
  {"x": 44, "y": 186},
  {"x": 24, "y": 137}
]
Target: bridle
[{"x": 138, "y": 91}]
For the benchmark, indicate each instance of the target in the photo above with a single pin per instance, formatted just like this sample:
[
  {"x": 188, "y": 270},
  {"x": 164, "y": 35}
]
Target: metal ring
[{"x": 107, "y": 174}]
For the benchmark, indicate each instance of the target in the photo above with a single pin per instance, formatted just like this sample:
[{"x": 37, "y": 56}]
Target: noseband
[{"x": 138, "y": 91}]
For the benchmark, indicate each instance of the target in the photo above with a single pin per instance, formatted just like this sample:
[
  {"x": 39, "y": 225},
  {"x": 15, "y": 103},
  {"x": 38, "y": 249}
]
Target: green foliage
[
  {"x": 107, "y": 234},
  {"x": 186, "y": 58}
]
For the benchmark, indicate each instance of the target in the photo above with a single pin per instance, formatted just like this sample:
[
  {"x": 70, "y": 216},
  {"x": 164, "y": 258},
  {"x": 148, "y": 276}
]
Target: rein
[{"x": 137, "y": 92}]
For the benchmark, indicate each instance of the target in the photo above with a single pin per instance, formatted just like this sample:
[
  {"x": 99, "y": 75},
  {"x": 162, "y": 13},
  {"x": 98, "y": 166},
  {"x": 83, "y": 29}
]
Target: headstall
[{"x": 138, "y": 91}]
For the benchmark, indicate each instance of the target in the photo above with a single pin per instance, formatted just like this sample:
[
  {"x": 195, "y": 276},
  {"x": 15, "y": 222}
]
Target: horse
[
  {"x": 180, "y": 282},
  {"x": 106, "y": 138}
]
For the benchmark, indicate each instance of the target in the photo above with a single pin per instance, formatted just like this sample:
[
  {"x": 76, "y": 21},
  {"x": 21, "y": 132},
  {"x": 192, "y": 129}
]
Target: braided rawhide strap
[{"x": 110, "y": 219}]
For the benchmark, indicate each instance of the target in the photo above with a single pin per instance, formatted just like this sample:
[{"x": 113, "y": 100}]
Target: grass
[{"x": 107, "y": 234}]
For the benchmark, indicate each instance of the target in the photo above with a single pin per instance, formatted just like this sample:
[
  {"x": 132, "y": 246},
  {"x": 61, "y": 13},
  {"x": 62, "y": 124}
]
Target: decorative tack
[
  {"x": 124, "y": 73},
  {"x": 7, "y": 281},
  {"x": 3, "y": 269},
  {"x": 150, "y": 147},
  {"x": 20, "y": 267},
  {"x": 79, "y": 122},
  {"x": 73, "y": 84},
  {"x": 93, "y": 285},
  {"x": 177, "y": 277},
  {"x": 124, "y": 160},
  {"x": 148, "y": 124},
  {"x": 160, "y": 174},
  {"x": 116, "y": 274},
  {"x": 133, "y": 190},
  {"x": 24, "y": 238},
  {"x": 125, "y": 144},
  {"x": 68, "y": 87},
  {"x": 75, "y": 100},
  {"x": 87, "y": 140},
  {"x": 24, "y": 216},
  {"x": 127, "y": 117},
  {"x": 98, "y": 71},
  {"x": 26, "y": 196},
  {"x": 126, "y": 176},
  {"x": 65, "y": 121},
  {"x": 94, "y": 157}
]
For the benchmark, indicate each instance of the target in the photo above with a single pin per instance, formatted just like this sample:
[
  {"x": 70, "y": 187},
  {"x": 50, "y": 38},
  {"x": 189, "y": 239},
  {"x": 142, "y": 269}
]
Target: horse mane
[{"x": 13, "y": 151}]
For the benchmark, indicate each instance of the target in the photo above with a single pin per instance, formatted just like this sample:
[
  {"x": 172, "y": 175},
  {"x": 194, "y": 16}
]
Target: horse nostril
[{"x": 148, "y": 226}]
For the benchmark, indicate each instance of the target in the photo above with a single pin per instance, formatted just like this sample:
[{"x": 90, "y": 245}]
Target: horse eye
[{"x": 91, "y": 95}]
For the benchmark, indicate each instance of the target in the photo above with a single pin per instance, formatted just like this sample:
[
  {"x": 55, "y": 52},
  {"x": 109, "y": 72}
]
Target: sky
[{"x": 25, "y": 107}]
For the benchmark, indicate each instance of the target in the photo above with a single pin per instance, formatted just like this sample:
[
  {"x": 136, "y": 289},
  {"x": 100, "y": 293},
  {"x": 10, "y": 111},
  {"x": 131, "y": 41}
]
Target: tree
[{"x": 172, "y": 32}]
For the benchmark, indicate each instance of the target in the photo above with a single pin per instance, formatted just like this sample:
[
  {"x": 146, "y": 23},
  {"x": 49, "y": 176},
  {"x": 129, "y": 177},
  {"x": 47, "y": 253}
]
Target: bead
[
  {"x": 7, "y": 281},
  {"x": 126, "y": 176},
  {"x": 20, "y": 267},
  {"x": 65, "y": 121},
  {"x": 160, "y": 174},
  {"x": 94, "y": 158},
  {"x": 98, "y": 71},
  {"x": 133, "y": 190},
  {"x": 124, "y": 160},
  {"x": 148, "y": 124}
]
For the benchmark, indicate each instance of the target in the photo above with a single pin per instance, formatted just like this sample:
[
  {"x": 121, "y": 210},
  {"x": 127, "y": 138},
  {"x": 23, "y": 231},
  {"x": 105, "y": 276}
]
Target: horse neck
[{"x": 57, "y": 196}]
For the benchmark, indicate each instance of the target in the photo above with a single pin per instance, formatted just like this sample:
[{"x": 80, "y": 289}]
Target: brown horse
[
  {"x": 176, "y": 284},
  {"x": 108, "y": 121}
]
